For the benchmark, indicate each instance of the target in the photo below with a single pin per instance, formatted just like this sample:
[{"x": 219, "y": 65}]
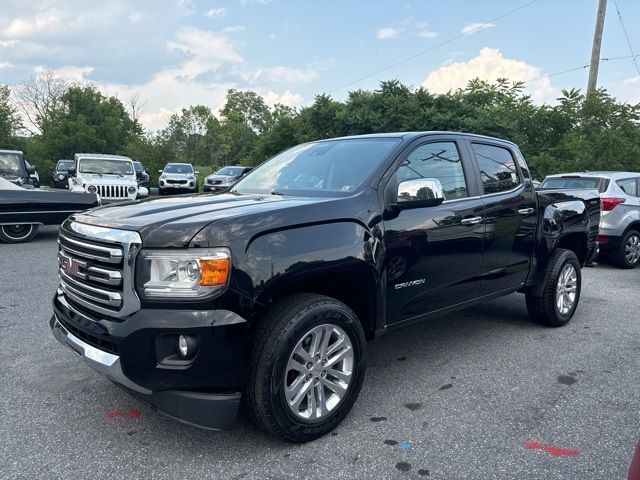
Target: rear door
[{"x": 510, "y": 213}]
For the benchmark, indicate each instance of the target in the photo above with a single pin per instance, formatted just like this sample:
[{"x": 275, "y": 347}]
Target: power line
[
  {"x": 604, "y": 59},
  {"x": 445, "y": 42},
  {"x": 635, "y": 62}
]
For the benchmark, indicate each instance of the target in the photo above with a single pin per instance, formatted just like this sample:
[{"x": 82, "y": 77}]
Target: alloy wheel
[
  {"x": 319, "y": 372},
  {"x": 632, "y": 249},
  {"x": 567, "y": 288}
]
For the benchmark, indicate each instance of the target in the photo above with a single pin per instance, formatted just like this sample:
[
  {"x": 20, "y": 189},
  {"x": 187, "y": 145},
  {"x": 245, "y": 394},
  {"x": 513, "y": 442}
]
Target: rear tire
[
  {"x": 555, "y": 301},
  {"x": 628, "y": 253},
  {"x": 294, "y": 390},
  {"x": 18, "y": 233}
]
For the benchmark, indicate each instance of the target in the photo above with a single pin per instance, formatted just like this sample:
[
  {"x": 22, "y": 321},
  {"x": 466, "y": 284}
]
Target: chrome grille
[
  {"x": 112, "y": 191},
  {"x": 96, "y": 267}
]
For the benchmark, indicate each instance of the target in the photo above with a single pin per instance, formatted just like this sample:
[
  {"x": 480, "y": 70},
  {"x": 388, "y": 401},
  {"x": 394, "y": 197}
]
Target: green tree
[{"x": 9, "y": 121}]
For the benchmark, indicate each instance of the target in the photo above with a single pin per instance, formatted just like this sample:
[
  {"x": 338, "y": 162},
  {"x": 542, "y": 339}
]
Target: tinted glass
[
  {"x": 105, "y": 166},
  {"x": 178, "y": 168},
  {"x": 574, "y": 182},
  {"x": 138, "y": 166},
  {"x": 497, "y": 168},
  {"x": 321, "y": 168},
  {"x": 439, "y": 160},
  {"x": 629, "y": 186}
]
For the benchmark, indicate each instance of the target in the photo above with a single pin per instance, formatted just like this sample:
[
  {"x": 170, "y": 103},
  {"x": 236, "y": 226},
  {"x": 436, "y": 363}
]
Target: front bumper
[
  {"x": 215, "y": 188},
  {"x": 204, "y": 393}
]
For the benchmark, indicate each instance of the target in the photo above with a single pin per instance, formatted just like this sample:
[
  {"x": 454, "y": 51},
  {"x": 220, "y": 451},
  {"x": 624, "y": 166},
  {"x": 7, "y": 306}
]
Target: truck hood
[{"x": 174, "y": 221}]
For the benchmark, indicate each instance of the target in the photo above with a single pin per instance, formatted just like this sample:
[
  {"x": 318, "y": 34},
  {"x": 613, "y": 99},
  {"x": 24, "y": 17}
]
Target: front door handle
[
  {"x": 471, "y": 221},
  {"x": 526, "y": 211}
]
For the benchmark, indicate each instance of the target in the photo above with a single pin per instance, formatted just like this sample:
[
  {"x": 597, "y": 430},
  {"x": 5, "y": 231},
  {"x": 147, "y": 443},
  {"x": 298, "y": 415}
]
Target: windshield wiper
[
  {"x": 93, "y": 173},
  {"x": 276, "y": 192}
]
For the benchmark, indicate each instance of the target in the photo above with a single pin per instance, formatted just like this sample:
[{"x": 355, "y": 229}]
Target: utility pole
[{"x": 595, "y": 49}]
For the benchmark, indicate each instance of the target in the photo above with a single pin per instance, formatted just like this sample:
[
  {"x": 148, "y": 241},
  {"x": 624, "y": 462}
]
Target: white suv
[
  {"x": 619, "y": 236},
  {"x": 112, "y": 177}
]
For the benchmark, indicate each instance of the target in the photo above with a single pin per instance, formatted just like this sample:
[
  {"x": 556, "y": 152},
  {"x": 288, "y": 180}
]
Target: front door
[{"x": 433, "y": 255}]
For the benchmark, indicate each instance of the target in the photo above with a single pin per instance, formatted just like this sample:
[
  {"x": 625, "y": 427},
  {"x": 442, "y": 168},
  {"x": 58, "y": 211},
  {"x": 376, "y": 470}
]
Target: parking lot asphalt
[{"x": 479, "y": 394}]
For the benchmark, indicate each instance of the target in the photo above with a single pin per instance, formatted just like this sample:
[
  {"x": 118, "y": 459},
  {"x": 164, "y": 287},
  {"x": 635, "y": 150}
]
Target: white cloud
[
  {"x": 387, "y": 33},
  {"x": 217, "y": 12},
  {"x": 288, "y": 98},
  {"x": 69, "y": 72},
  {"x": 472, "y": 28},
  {"x": 234, "y": 29},
  {"x": 490, "y": 65},
  {"x": 24, "y": 27},
  {"x": 5, "y": 65},
  {"x": 627, "y": 90},
  {"x": 427, "y": 34},
  {"x": 207, "y": 50},
  {"x": 280, "y": 74}
]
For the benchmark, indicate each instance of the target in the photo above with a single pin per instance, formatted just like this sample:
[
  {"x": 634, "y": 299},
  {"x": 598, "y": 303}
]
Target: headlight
[
  {"x": 92, "y": 189},
  {"x": 131, "y": 190},
  {"x": 61, "y": 177},
  {"x": 194, "y": 273}
]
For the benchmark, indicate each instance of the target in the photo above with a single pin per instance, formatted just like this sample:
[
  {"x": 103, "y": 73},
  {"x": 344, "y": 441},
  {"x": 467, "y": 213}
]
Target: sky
[{"x": 176, "y": 53}]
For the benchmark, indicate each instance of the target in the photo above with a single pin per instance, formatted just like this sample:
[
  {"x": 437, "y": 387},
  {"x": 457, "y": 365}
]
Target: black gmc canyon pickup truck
[{"x": 269, "y": 292}]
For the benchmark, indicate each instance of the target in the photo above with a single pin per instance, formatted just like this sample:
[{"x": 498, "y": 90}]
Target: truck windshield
[
  {"x": 11, "y": 163},
  {"x": 322, "y": 168},
  {"x": 105, "y": 166},
  {"x": 178, "y": 168},
  {"x": 598, "y": 183}
]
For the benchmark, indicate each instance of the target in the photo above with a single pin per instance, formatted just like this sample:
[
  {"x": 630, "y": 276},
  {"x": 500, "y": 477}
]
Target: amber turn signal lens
[{"x": 214, "y": 271}]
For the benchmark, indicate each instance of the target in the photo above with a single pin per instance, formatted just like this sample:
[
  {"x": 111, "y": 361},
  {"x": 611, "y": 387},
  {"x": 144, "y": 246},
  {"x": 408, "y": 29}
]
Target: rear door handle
[
  {"x": 471, "y": 221},
  {"x": 526, "y": 211}
]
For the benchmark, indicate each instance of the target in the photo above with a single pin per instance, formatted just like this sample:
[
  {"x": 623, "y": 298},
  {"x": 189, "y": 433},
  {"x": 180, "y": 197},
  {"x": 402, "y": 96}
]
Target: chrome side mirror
[{"x": 420, "y": 192}]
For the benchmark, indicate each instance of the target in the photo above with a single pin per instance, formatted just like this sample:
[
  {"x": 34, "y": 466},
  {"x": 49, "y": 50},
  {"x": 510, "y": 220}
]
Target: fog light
[{"x": 183, "y": 346}]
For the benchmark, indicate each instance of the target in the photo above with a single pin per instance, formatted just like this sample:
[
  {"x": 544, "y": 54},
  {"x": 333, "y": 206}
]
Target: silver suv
[{"x": 619, "y": 236}]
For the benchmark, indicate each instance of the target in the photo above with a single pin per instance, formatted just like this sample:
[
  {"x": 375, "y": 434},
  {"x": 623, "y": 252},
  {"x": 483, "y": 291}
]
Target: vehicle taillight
[{"x": 609, "y": 204}]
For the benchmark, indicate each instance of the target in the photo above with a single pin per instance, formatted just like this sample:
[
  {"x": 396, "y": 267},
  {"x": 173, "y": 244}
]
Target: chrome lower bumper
[{"x": 102, "y": 362}]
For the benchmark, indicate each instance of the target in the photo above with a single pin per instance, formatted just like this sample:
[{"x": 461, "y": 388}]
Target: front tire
[
  {"x": 307, "y": 367},
  {"x": 628, "y": 254},
  {"x": 18, "y": 233},
  {"x": 555, "y": 301}
]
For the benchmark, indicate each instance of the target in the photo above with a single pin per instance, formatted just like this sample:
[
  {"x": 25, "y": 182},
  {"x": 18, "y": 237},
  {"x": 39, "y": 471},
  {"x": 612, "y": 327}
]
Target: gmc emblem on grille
[{"x": 71, "y": 266}]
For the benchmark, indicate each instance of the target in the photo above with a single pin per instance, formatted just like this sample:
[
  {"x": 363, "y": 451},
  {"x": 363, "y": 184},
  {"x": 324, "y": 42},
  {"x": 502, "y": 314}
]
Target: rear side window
[
  {"x": 575, "y": 182},
  {"x": 497, "y": 168},
  {"x": 629, "y": 186},
  {"x": 439, "y": 160}
]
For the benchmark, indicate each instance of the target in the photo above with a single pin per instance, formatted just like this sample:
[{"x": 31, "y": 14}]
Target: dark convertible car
[{"x": 22, "y": 211}]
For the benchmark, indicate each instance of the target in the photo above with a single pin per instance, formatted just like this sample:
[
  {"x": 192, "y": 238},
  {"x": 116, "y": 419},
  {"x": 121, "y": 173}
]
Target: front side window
[
  {"x": 497, "y": 168},
  {"x": 327, "y": 168},
  {"x": 629, "y": 186},
  {"x": 105, "y": 166},
  {"x": 440, "y": 160}
]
